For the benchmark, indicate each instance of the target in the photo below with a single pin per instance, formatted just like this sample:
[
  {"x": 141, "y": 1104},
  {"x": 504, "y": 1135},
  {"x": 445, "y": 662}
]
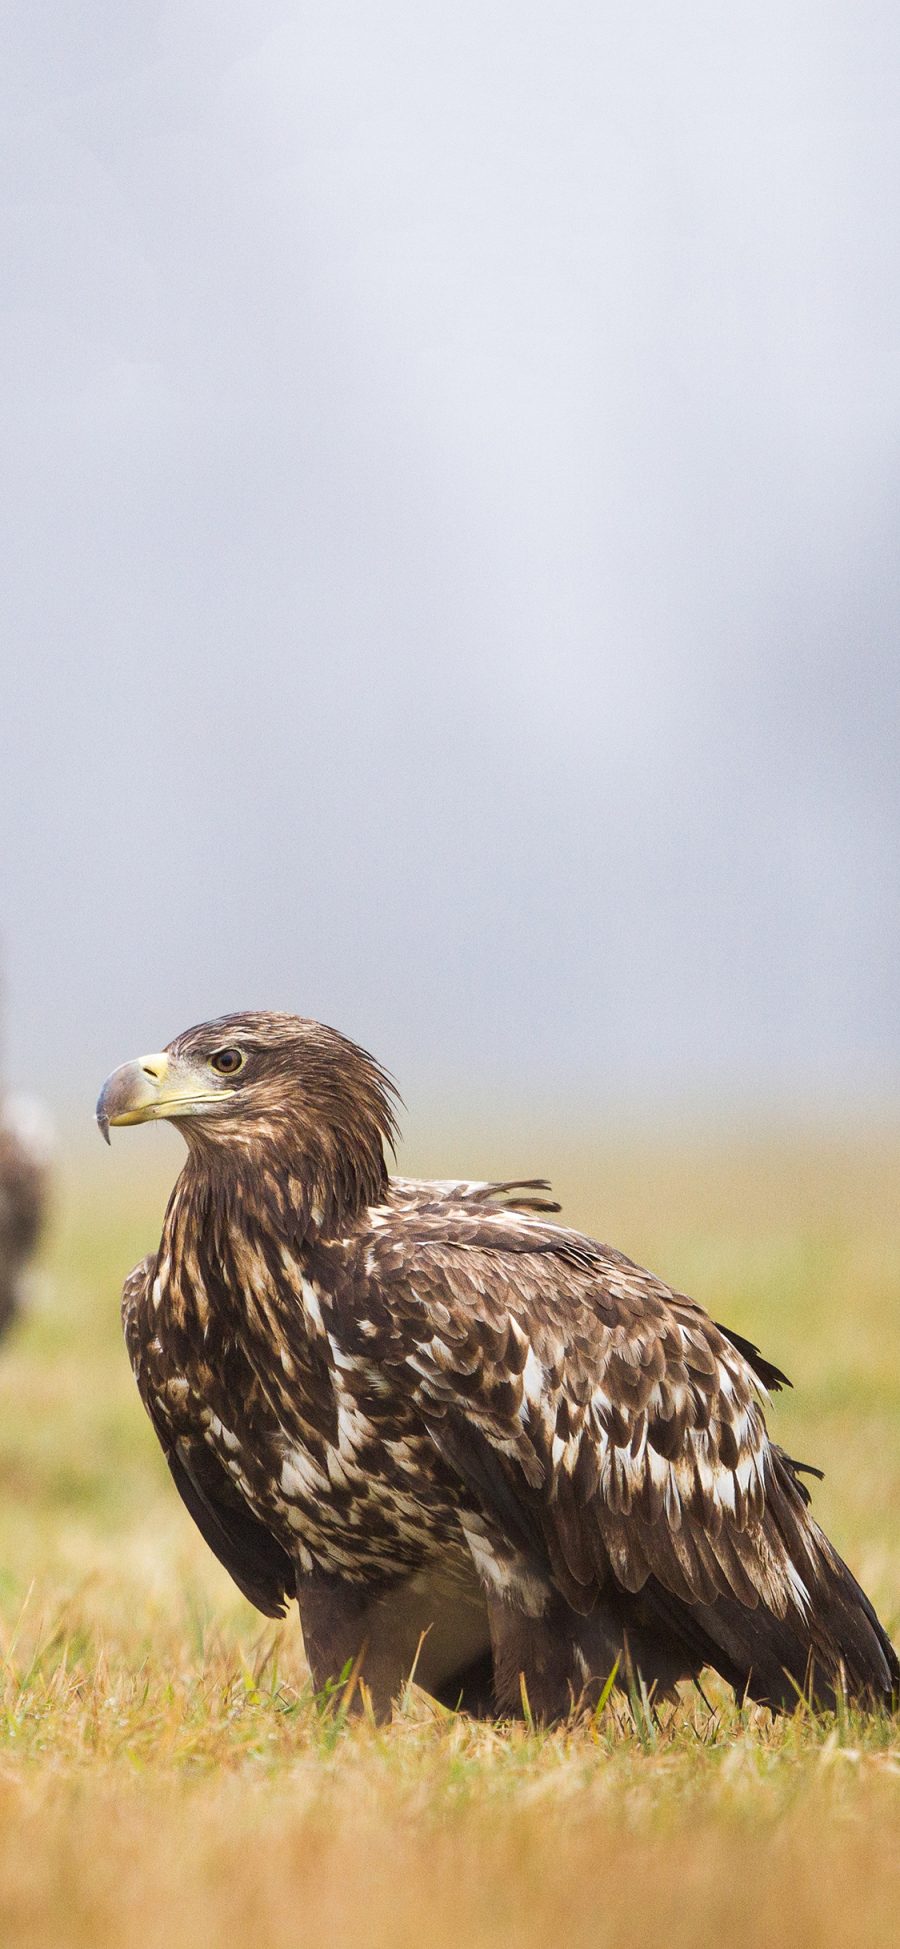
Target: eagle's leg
[
  {"x": 341, "y": 1632},
  {"x": 551, "y": 1664},
  {"x": 414, "y": 1627}
]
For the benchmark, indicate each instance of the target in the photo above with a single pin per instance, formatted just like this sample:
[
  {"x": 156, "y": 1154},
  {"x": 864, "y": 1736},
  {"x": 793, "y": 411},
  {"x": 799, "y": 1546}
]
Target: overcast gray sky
[{"x": 450, "y": 537}]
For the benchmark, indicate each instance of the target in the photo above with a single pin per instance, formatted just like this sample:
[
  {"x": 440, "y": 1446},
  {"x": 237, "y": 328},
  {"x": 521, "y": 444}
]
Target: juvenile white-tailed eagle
[{"x": 430, "y": 1408}]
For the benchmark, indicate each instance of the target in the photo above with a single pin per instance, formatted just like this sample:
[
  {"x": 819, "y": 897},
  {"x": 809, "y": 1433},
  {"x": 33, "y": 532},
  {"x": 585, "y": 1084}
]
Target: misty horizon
[{"x": 451, "y": 547}]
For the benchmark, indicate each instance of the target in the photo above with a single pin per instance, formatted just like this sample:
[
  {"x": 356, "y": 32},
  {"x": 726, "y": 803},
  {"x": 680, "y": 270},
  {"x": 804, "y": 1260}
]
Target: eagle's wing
[
  {"x": 249, "y": 1552},
  {"x": 608, "y": 1429},
  {"x": 622, "y": 1420}
]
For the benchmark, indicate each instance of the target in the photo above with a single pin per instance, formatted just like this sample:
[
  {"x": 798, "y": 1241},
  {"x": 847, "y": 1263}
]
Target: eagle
[
  {"x": 24, "y": 1186},
  {"x": 476, "y": 1446}
]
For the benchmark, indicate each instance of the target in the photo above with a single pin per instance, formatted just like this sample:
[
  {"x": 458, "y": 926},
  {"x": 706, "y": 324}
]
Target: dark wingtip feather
[
  {"x": 803, "y": 1468},
  {"x": 765, "y": 1370}
]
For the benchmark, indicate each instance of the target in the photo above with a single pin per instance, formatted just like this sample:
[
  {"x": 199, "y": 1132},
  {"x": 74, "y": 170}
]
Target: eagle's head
[{"x": 288, "y": 1091}]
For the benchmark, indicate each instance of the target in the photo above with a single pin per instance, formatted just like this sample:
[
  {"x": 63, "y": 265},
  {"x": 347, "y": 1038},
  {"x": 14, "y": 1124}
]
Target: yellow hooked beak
[{"x": 150, "y": 1088}]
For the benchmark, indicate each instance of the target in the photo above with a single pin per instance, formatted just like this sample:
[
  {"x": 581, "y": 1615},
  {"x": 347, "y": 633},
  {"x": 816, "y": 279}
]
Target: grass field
[{"x": 166, "y": 1776}]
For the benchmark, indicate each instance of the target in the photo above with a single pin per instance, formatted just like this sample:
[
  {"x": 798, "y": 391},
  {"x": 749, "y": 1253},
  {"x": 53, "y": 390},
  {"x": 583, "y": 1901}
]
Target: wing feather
[
  {"x": 249, "y": 1552},
  {"x": 598, "y": 1416}
]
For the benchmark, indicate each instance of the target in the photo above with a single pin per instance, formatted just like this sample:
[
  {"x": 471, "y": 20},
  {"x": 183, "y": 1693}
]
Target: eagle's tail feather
[{"x": 835, "y": 1647}]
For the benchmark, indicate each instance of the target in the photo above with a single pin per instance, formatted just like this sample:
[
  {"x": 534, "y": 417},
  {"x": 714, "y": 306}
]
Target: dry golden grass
[{"x": 166, "y": 1776}]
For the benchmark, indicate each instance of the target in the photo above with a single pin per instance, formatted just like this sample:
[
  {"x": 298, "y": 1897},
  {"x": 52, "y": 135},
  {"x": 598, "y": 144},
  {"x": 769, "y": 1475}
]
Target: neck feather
[{"x": 279, "y": 1183}]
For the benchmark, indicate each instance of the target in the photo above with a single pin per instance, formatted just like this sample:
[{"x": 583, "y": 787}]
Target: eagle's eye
[{"x": 228, "y": 1061}]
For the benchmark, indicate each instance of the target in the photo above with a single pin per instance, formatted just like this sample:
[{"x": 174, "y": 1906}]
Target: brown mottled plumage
[{"x": 430, "y": 1408}]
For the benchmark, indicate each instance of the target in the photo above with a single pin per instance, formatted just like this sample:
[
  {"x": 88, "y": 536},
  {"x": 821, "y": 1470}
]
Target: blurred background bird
[{"x": 26, "y": 1157}]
